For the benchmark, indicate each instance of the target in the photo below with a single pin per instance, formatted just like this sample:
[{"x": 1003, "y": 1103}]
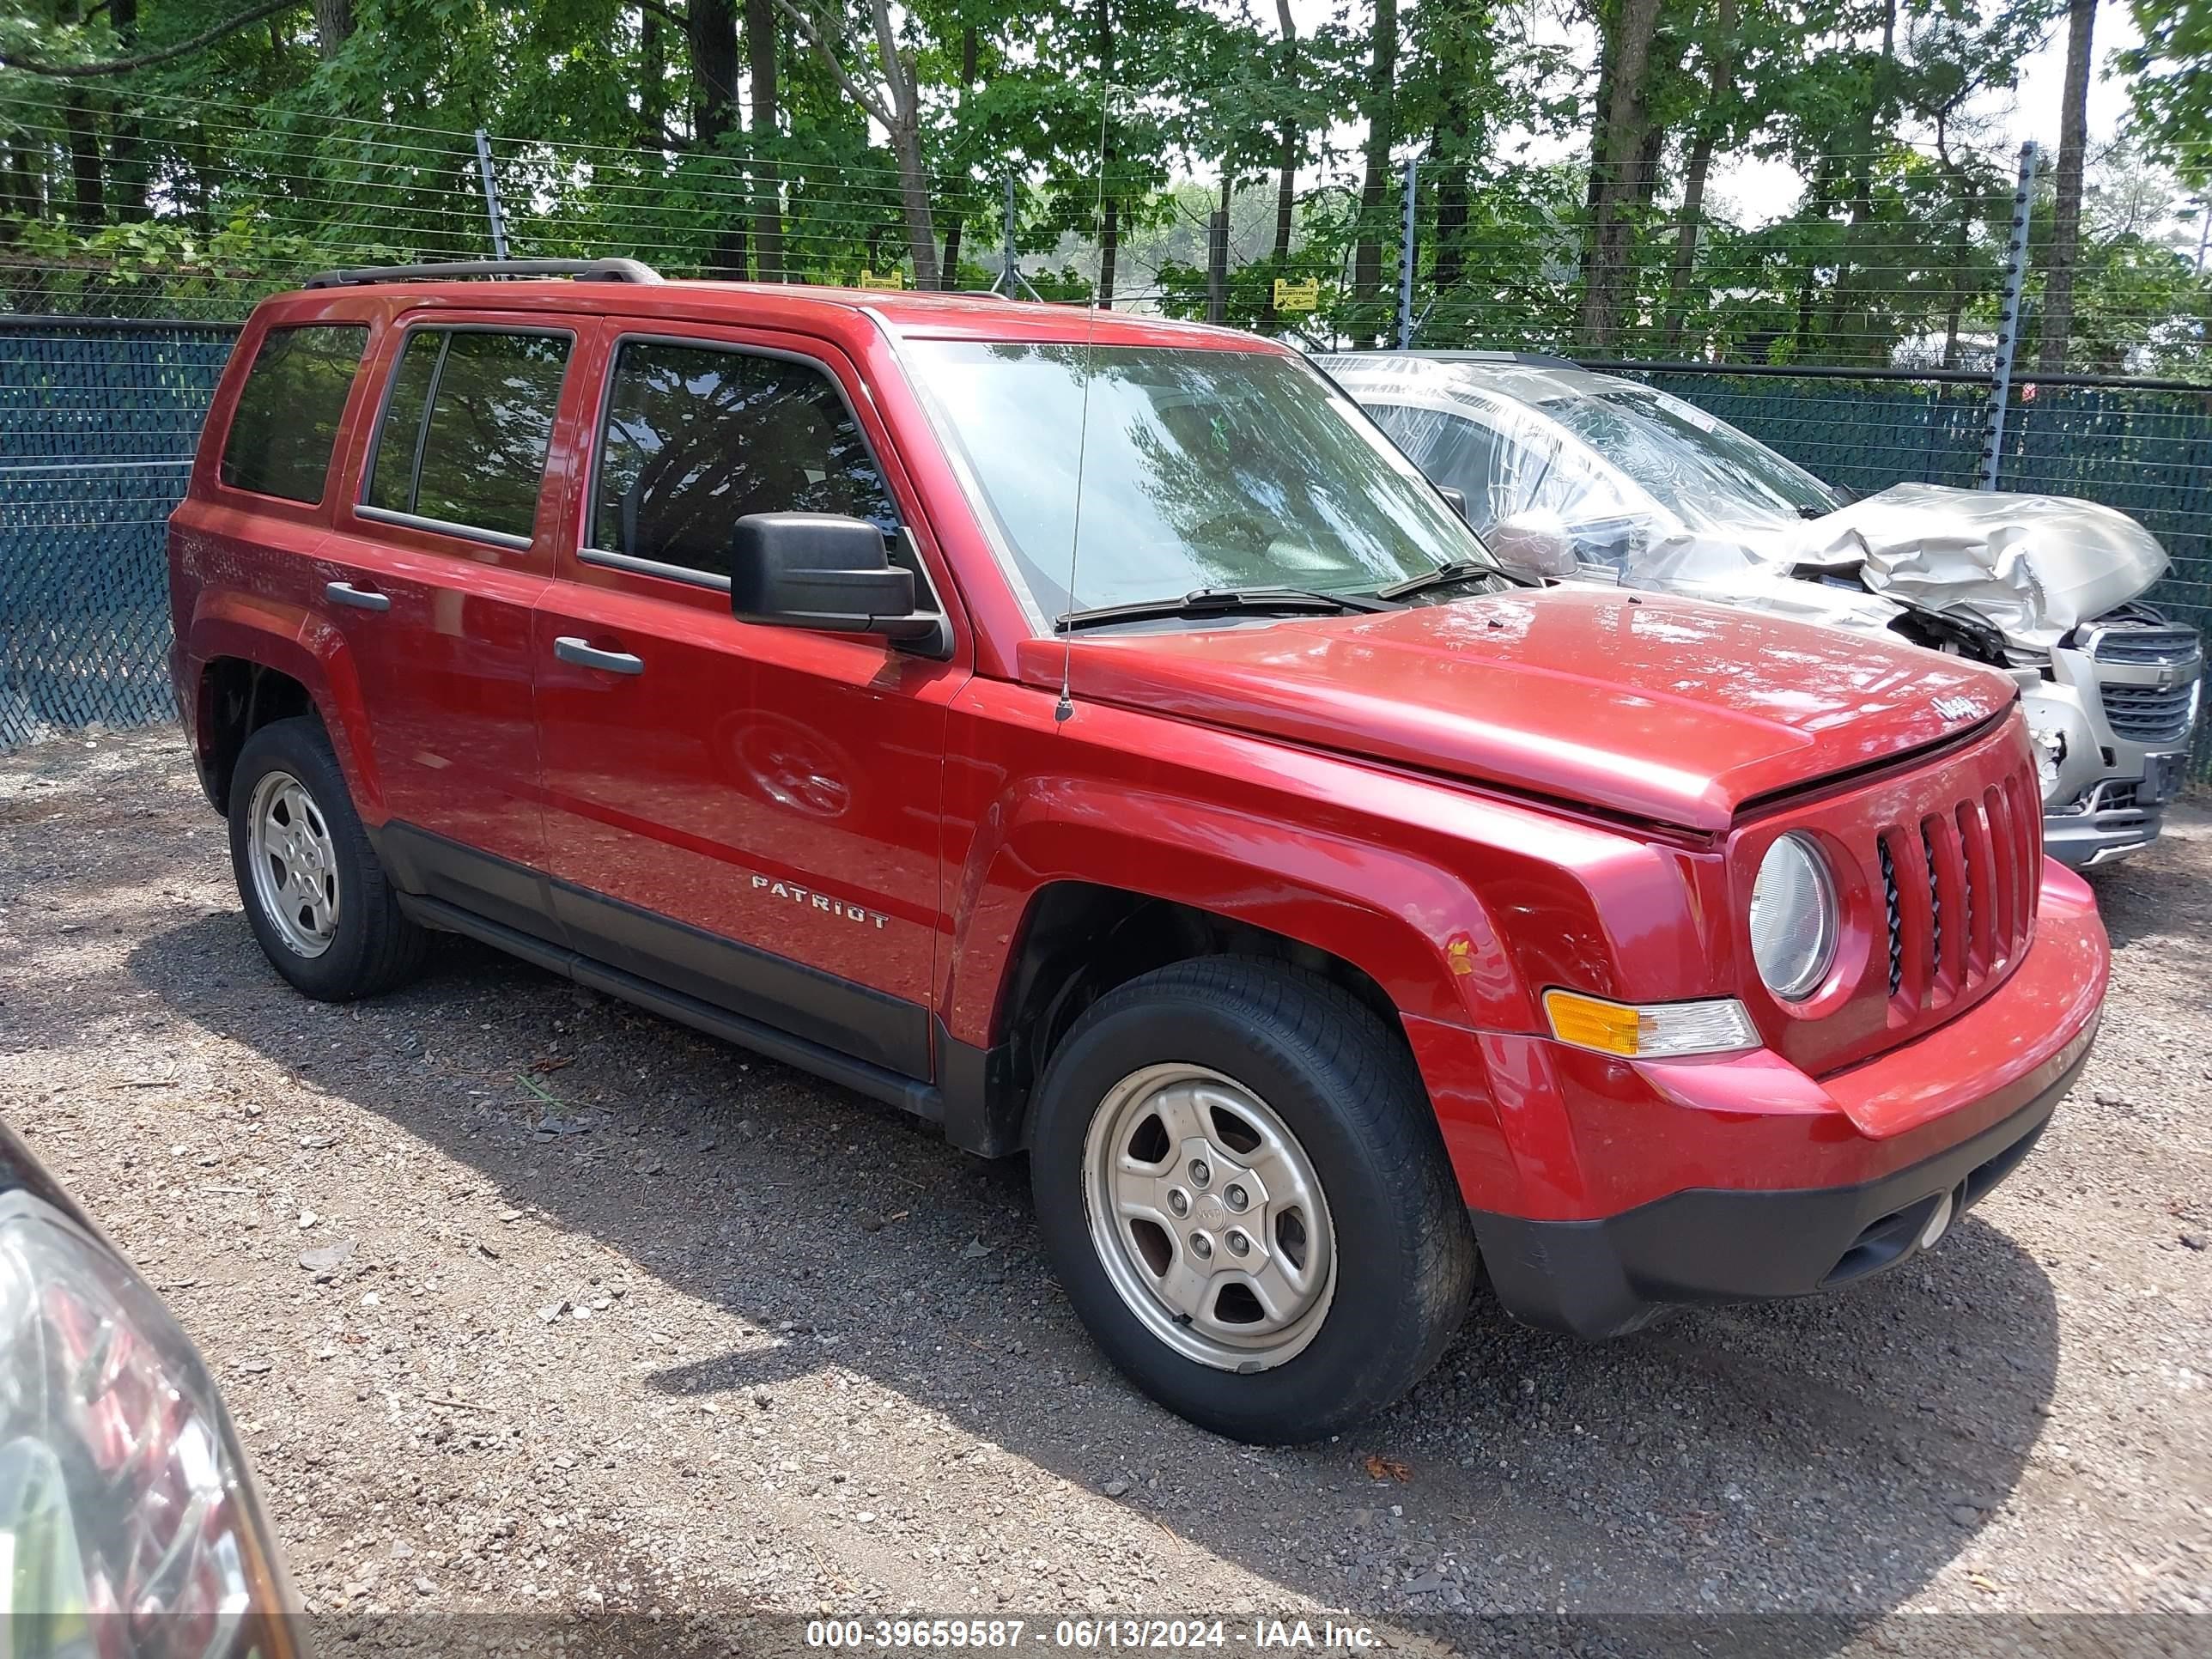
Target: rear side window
[
  {"x": 466, "y": 428},
  {"x": 287, "y": 419},
  {"x": 697, "y": 437}
]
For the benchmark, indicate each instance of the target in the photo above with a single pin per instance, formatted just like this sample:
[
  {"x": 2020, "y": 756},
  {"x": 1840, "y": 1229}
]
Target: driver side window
[{"x": 697, "y": 436}]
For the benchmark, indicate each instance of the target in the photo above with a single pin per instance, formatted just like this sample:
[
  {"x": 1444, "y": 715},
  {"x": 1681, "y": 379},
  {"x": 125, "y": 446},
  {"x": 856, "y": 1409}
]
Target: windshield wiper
[
  {"x": 1220, "y": 602},
  {"x": 1448, "y": 574}
]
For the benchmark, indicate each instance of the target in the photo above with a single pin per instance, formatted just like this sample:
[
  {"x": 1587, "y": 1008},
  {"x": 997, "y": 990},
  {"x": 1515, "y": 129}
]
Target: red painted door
[
  {"x": 443, "y": 543},
  {"x": 749, "y": 813}
]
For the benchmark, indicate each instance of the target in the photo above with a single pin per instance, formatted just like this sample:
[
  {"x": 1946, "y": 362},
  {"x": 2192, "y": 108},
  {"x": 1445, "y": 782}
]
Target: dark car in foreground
[{"x": 129, "y": 1525}]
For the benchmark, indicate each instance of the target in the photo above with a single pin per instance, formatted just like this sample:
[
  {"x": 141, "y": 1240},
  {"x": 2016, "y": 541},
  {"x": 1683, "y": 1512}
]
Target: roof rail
[{"x": 584, "y": 271}]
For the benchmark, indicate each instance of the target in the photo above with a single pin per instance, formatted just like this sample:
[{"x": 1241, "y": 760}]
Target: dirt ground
[{"x": 531, "y": 1304}]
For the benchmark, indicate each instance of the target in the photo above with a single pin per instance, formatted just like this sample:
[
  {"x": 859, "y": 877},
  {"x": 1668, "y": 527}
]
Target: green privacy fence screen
[
  {"x": 98, "y": 421},
  {"x": 97, "y": 424}
]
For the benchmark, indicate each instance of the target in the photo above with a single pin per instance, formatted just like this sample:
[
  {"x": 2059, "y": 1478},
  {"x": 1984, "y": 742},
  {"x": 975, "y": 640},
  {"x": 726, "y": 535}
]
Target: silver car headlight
[
  {"x": 1792, "y": 918},
  {"x": 128, "y": 1522}
]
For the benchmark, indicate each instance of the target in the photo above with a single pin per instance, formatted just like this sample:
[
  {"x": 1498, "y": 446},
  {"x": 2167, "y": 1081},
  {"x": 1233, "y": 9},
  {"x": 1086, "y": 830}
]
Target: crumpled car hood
[{"x": 2033, "y": 567}]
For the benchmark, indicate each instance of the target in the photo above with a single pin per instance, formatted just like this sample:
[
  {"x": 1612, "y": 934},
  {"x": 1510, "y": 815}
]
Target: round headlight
[{"x": 1792, "y": 918}]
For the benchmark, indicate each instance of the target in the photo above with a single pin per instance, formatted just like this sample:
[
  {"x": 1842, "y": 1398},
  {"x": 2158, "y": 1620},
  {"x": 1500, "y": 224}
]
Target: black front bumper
[{"x": 1603, "y": 1278}]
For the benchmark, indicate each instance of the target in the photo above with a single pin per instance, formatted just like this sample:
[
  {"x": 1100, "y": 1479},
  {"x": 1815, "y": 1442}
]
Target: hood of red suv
[{"x": 1663, "y": 709}]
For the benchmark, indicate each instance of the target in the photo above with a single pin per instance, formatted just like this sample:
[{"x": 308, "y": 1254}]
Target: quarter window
[
  {"x": 287, "y": 419},
  {"x": 697, "y": 437},
  {"x": 467, "y": 428}
]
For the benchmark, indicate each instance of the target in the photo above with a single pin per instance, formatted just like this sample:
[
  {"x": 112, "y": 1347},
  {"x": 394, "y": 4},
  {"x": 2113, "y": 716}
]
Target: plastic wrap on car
[
  {"x": 1511, "y": 462},
  {"x": 1648, "y": 513},
  {"x": 2034, "y": 566}
]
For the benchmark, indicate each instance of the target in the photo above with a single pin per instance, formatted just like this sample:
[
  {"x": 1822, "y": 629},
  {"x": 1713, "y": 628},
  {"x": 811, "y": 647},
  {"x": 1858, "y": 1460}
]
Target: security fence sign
[{"x": 1297, "y": 296}]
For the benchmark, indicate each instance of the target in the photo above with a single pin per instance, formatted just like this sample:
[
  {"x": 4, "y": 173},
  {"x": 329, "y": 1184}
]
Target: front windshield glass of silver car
[
  {"x": 1703, "y": 470},
  {"x": 1200, "y": 470}
]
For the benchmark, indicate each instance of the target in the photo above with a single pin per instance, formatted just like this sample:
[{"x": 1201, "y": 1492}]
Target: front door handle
[
  {"x": 360, "y": 599},
  {"x": 569, "y": 649}
]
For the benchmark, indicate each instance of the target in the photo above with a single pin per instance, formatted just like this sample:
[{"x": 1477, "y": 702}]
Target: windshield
[
  {"x": 1702, "y": 470},
  {"x": 1199, "y": 469}
]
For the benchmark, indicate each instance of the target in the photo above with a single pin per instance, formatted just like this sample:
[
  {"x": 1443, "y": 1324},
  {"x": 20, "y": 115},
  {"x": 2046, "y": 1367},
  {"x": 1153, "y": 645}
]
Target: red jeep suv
[{"x": 1089, "y": 734}]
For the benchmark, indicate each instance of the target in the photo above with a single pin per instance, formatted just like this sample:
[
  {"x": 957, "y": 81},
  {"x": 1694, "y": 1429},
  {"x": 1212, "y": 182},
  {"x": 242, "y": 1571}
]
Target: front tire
[
  {"x": 317, "y": 898},
  {"x": 1241, "y": 1187}
]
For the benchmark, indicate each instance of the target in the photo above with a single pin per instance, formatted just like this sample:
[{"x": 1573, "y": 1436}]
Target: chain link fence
[{"x": 98, "y": 420}]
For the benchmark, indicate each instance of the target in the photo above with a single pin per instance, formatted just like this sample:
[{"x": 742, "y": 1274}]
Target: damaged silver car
[{"x": 1581, "y": 477}]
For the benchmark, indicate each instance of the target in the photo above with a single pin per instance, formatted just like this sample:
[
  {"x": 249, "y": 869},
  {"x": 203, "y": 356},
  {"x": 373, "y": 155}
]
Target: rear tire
[
  {"x": 1241, "y": 1187},
  {"x": 318, "y": 902}
]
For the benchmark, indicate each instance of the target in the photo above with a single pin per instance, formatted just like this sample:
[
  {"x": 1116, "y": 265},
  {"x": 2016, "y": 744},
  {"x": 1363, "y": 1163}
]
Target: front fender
[
  {"x": 292, "y": 640},
  {"x": 1414, "y": 928}
]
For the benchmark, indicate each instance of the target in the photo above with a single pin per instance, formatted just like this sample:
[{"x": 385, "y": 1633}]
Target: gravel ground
[{"x": 528, "y": 1303}]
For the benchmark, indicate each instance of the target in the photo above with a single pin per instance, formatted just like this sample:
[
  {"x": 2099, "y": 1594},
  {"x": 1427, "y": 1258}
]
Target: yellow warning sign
[
  {"x": 890, "y": 279},
  {"x": 1297, "y": 296}
]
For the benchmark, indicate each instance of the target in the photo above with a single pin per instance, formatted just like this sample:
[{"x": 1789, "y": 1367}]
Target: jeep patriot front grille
[{"x": 1959, "y": 892}]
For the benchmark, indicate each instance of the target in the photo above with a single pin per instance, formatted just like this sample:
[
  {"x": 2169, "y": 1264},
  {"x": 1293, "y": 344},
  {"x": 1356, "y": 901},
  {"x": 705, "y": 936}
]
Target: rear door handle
[
  {"x": 569, "y": 649},
  {"x": 360, "y": 599}
]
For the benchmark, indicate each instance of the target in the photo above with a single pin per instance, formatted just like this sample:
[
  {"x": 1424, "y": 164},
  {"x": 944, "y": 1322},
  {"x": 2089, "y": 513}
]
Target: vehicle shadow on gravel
[{"x": 1834, "y": 1455}]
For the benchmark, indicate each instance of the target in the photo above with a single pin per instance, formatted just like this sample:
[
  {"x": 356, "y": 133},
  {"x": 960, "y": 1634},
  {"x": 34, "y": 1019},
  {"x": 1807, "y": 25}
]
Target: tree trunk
[
  {"x": 1852, "y": 330},
  {"x": 1962, "y": 250},
  {"x": 714, "y": 67},
  {"x": 1110, "y": 218},
  {"x": 2057, "y": 325},
  {"x": 87, "y": 178},
  {"x": 1683, "y": 267},
  {"x": 906, "y": 144},
  {"x": 968, "y": 54},
  {"x": 1287, "y": 172},
  {"x": 762, "y": 52},
  {"x": 27, "y": 196},
  {"x": 1109, "y": 247},
  {"x": 1847, "y": 300},
  {"x": 1614, "y": 161},
  {"x": 333, "y": 27},
  {"x": 1217, "y": 251},
  {"x": 1822, "y": 203},
  {"x": 653, "y": 80},
  {"x": 914, "y": 201},
  {"x": 1593, "y": 186},
  {"x": 127, "y": 149},
  {"x": 1719, "y": 77},
  {"x": 1644, "y": 179},
  {"x": 1375, "y": 185},
  {"x": 1451, "y": 224},
  {"x": 1454, "y": 144}
]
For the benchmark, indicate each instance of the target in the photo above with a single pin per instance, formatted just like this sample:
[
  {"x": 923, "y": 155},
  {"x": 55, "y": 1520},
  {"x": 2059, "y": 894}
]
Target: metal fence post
[
  {"x": 2009, "y": 321},
  {"x": 491, "y": 196},
  {"x": 1010, "y": 280},
  {"x": 1406, "y": 261}
]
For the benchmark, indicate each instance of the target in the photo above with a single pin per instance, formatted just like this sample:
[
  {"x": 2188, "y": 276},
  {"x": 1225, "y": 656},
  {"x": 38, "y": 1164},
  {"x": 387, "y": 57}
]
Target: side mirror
[
  {"x": 1454, "y": 499},
  {"x": 1532, "y": 542},
  {"x": 823, "y": 571}
]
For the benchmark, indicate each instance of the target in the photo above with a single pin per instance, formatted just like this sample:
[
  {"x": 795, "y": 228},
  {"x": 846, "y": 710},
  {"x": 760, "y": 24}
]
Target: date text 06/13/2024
[{"x": 1161, "y": 1635}]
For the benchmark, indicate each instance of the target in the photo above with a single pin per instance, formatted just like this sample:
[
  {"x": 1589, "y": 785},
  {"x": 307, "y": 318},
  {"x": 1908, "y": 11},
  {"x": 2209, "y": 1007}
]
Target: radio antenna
[{"x": 1066, "y": 710}]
